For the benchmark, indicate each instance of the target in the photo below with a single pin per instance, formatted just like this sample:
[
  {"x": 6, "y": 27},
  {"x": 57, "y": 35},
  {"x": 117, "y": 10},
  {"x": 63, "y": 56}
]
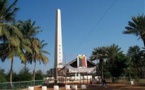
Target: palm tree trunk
[
  {"x": 102, "y": 70},
  {"x": 34, "y": 72},
  {"x": 11, "y": 74},
  {"x": 101, "y": 67}
]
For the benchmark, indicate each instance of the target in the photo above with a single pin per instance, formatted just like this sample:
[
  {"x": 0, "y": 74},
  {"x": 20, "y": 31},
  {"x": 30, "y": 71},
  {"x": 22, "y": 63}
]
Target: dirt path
[{"x": 109, "y": 87}]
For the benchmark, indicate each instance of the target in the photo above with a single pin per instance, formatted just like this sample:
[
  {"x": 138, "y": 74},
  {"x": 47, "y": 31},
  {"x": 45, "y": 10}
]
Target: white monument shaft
[{"x": 58, "y": 42}]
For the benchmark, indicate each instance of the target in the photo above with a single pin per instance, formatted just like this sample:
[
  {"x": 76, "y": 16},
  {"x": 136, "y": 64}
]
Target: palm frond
[
  {"x": 43, "y": 58},
  {"x": 11, "y": 54},
  {"x": 22, "y": 57},
  {"x": 26, "y": 41},
  {"x": 3, "y": 4},
  {"x": 11, "y": 15},
  {"x": 136, "y": 26},
  {"x": 27, "y": 48},
  {"x": 14, "y": 41},
  {"x": 44, "y": 51},
  {"x": 5, "y": 31},
  {"x": 12, "y": 5},
  {"x": 17, "y": 31}
]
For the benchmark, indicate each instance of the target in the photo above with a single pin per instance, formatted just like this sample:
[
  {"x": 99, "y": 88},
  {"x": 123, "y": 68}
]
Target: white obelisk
[{"x": 58, "y": 63}]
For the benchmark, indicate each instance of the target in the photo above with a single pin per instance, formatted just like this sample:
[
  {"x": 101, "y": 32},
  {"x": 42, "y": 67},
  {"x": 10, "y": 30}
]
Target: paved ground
[{"x": 109, "y": 87}]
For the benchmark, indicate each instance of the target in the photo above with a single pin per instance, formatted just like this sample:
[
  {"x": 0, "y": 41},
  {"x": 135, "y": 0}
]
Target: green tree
[
  {"x": 7, "y": 31},
  {"x": 7, "y": 16},
  {"x": 24, "y": 74},
  {"x": 118, "y": 68},
  {"x": 30, "y": 30},
  {"x": 2, "y": 76},
  {"x": 99, "y": 54},
  {"x": 15, "y": 76},
  {"x": 14, "y": 47},
  {"x": 113, "y": 51},
  {"x": 136, "y": 27},
  {"x": 39, "y": 75},
  {"x": 37, "y": 54},
  {"x": 136, "y": 56}
]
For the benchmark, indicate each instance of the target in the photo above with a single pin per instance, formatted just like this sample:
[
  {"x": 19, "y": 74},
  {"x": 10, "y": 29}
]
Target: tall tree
[
  {"x": 136, "y": 56},
  {"x": 119, "y": 66},
  {"x": 7, "y": 16},
  {"x": 112, "y": 53},
  {"x": 14, "y": 47},
  {"x": 30, "y": 30},
  {"x": 9, "y": 34},
  {"x": 136, "y": 27},
  {"x": 37, "y": 54},
  {"x": 99, "y": 54}
]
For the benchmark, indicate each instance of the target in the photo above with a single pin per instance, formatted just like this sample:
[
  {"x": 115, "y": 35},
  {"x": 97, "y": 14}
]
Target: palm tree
[
  {"x": 37, "y": 54},
  {"x": 99, "y": 54},
  {"x": 16, "y": 45},
  {"x": 137, "y": 60},
  {"x": 7, "y": 15},
  {"x": 29, "y": 30},
  {"x": 112, "y": 53},
  {"x": 41, "y": 55},
  {"x": 34, "y": 56},
  {"x": 9, "y": 35},
  {"x": 7, "y": 12},
  {"x": 136, "y": 27}
]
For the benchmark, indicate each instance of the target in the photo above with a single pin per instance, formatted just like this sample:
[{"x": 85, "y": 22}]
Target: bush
[
  {"x": 24, "y": 74},
  {"x": 39, "y": 75},
  {"x": 2, "y": 76}
]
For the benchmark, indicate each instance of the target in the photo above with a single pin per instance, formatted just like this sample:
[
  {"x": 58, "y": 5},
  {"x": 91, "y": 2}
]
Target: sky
[{"x": 86, "y": 24}]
